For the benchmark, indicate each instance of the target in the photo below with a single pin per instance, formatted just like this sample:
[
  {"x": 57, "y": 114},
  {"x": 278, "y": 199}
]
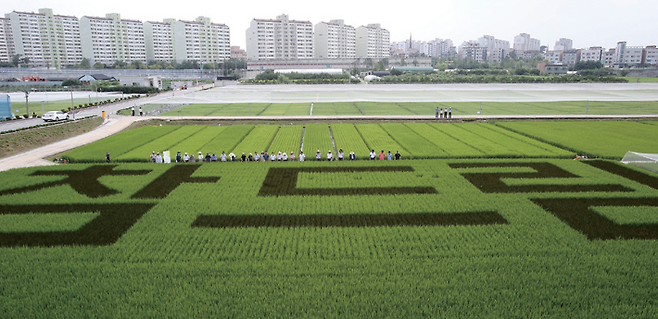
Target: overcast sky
[{"x": 586, "y": 22}]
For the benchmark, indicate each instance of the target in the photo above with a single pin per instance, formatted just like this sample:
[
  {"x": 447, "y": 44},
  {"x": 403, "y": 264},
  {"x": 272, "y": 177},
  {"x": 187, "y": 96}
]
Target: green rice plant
[
  {"x": 418, "y": 146},
  {"x": 483, "y": 144},
  {"x": 505, "y": 140},
  {"x": 608, "y": 139},
  {"x": 317, "y": 137},
  {"x": 195, "y": 143},
  {"x": 163, "y": 143},
  {"x": 287, "y": 109},
  {"x": 227, "y": 139},
  {"x": 117, "y": 144},
  {"x": 451, "y": 146},
  {"x": 349, "y": 140},
  {"x": 258, "y": 140},
  {"x": 336, "y": 108},
  {"x": 377, "y": 139},
  {"x": 288, "y": 138}
]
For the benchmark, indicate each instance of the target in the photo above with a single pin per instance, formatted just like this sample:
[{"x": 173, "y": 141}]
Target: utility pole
[{"x": 27, "y": 104}]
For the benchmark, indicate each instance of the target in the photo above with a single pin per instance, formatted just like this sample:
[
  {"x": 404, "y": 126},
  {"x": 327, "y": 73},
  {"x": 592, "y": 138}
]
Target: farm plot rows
[
  {"x": 607, "y": 139},
  {"x": 412, "y": 140},
  {"x": 455, "y": 237},
  {"x": 420, "y": 108}
]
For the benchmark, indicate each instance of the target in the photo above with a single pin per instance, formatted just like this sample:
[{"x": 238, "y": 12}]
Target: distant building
[
  {"x": 553, "y": 57},
  {"x": 111, "y": 39},
  {"x": 609, "y": 58},
  {"x": 334, "y": 40},
  {"x": 497, "y": 49},
  {"x": 474, "y": 51},
  {"x": 372, "y": 41},
  {"x": 523, "y": 42},
  {"x": 159, "y": 38},
  {"x": 280, "y": 38},
  {"x": 651, "y": 55},
  {"x": 592, "y": 54},
  {"x": 570, "y": 57},
  {"x": 563, "y": 44},
  {"x": 199, "y": 40},
  {"x": 238, "y": 53},
  {"x": 627, "y": 56},
  {"x": 556, "y": 69},
  {"x": 46, "y": 39},
  {"x": 148, "y": 81},
  {"x": 6, "y": 42}
]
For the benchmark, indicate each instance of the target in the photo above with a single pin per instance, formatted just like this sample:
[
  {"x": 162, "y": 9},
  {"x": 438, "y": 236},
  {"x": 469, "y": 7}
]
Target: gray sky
[{"x": 586, "y": 22}]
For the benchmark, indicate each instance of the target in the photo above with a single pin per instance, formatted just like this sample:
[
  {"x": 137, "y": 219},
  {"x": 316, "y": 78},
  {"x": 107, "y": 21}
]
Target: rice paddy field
[
  {"x": 412, "y": 108},
  {"x": 476, "y": 220}
]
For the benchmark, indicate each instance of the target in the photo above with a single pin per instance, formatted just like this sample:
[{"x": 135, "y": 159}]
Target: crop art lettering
[
  {"x": 283, "y": 182},
  {"x": 84, "y": 181},
  {"x": 492, "y": 183}
]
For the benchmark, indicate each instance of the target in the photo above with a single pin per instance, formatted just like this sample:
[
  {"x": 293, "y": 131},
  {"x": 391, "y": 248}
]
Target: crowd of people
[{"x": 156, "y": 157}]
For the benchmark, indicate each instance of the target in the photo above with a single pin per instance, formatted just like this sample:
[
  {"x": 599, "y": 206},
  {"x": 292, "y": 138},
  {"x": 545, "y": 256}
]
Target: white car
[{"x": 55, "y": 116}]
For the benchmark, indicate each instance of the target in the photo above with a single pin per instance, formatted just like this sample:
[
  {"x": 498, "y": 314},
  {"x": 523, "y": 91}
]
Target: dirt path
[{"x": 35, "y": 157}]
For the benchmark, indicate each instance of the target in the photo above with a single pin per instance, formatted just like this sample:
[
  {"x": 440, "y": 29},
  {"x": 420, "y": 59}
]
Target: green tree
[
  {"x": 99, "y": 65},
  {"x": 84, "y": 64}
]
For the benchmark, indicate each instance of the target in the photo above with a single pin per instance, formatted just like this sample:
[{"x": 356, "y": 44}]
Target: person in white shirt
[
  {"x": 279, "y": 157},
  {"x": 373, "y": 155},
  {"x": 292, "y": 156},
  {"x": 302, "y": 157},
  {"x": 341, "y": 155},
  {"x": 318, "y": 156},
  {"x": 158, "y": 158},
  {"x": 272, "y": 157},
  {"x": 256, "y": 157},
  {"x": 186, "y": 158},
  {"x": 222, "y": 157},
  {"x": 200, "y": 157},
  {"x": 330, "y": 157},
  {"x": 284, "y": 157}
]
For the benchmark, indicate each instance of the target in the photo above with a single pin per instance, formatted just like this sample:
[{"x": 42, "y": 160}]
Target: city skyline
[{"x": 587, "y": 23}]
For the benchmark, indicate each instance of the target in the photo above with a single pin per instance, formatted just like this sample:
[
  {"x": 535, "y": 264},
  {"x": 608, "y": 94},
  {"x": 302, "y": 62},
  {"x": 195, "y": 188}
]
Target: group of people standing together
[
  {"x": 443, "y": 113},
  {"x": 272, "y": 157}
]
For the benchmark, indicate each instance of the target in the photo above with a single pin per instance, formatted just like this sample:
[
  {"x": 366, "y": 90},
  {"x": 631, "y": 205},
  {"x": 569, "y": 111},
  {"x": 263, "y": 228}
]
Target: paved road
[{"x": 97, "y": 110}]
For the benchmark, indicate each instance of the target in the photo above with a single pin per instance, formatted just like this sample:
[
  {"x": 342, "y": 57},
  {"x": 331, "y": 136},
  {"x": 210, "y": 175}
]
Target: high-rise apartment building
[
  {"x": 159, "y": 39},
  {"x": 497, "y": 49},
  {"x": 334, "y": 40},
  {"x": 47, "y": 40},
  {"x": 563, "y": 44},
  {"x": 523, "y": 42},
  {"x": 628, "y": 55},
  {"x": 281, "y": 38},
  {"x": 177, "y": 40},
  {"x": 372, "y": 41},
  {"x": 6, "y": 42},
  {"x": 111, "y": 39},
  {"x": 472, "y": 50}
]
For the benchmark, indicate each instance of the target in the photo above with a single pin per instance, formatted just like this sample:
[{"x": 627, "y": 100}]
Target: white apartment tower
[
  {"x": 199, "y": 40},
  {"x": 523, "y": 42},
  {"x": 111, "y": 39},
  {"x": 159, "y": 38},
  {"x": 334, "y": 40},
  {"x": 5, "y": 41},
  {"x": 563, "y": 44},
  {"x": 372, "y": 41},
  {"x": 497, "y": 49},
  {"x": 281, "y": 38},
  {"x": 47, "y": 40}
]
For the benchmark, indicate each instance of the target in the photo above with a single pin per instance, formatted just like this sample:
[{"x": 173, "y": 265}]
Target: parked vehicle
[{"x": 55, "y": 116}]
